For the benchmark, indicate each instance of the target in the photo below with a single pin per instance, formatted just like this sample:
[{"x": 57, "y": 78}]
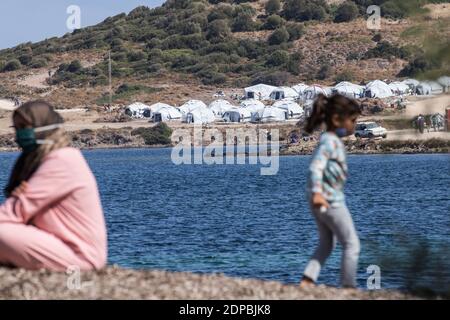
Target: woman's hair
[
  {"x": 36, "y": 114},
  {"x": 325, "y": 108}
]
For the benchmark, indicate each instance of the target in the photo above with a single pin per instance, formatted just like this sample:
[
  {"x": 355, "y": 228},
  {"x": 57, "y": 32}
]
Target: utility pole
[{"x": 110, "y": 78}]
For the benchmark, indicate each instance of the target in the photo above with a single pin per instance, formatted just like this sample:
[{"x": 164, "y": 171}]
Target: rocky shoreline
[
  {"x": 127, "y": 137},
  {"x": 378, "y": 147},
  {"x": 114, "y": 283}
]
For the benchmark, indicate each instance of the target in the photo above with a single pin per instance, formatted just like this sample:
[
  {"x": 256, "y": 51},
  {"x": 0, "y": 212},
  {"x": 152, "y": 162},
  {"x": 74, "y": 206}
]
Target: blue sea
[{"x": 230, "y": 219}]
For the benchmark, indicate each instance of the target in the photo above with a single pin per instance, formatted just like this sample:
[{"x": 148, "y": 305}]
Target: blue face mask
[
  {"x": 341, "y": 132},
  {"x": 26, "y": 137}
]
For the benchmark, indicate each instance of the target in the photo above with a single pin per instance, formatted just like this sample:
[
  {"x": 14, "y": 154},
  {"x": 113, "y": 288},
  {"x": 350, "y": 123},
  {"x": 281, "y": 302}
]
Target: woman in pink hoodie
[{"x": 52, "y": 218}]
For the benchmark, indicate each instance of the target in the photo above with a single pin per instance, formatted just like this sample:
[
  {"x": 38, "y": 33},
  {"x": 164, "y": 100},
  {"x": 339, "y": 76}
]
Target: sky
[{"x": 29, "y": 20}]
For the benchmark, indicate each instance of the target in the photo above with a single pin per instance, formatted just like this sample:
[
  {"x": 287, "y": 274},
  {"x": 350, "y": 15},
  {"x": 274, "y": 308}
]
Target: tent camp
[
  {"x": 284, "y": 93},
  {"x": 190, "y": 106},
  {"x": 444, "y": 82},
  {"x": 254, "y": 106},
  {"x": 428, "y": 88},
  {"x": 273, "y": 114},
  {"x": 349, "y": 89},
  {"x": 300, "y": 89},
  {"x": 378, "y": 89},
  {"x": 161, "y": 112},
  {"x": 157, "y": 106},
  {"x": 259, "y": 92},
  {"x": 294, "y": 111},
  {"x": 411, "y": 83},
  {"x": 200, "y": 115},
  {"x": 166, "y": 113},
  {"x": 237, "y": 115},
  {"x": 138, "y": 110},
  {"x": 219, "y": 107},
  {"x": 312, "y": 92},
  {"x": 399, "y": 88}
]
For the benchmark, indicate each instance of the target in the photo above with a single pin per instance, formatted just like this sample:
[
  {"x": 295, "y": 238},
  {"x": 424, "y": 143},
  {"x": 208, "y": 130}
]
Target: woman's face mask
[{"x": 26, "y": 137}]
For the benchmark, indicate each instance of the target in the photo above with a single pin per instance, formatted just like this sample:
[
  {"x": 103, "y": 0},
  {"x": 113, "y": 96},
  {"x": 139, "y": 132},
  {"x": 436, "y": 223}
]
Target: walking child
[{"x": 326, "y": 179}]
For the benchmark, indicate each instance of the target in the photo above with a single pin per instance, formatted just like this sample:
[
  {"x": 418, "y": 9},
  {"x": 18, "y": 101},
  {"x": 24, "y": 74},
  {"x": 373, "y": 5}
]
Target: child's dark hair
[{"x": 324, "y": 108}]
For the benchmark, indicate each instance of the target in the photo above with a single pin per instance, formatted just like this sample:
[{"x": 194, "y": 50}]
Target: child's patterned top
[{"x": 328, "y": 169}]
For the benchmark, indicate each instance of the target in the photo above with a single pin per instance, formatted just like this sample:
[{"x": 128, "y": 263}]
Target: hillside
[{"x": 190, "y": 48}]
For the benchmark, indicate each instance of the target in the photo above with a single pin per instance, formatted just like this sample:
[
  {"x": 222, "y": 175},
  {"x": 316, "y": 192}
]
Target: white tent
[
  {"x": 294, "y": 111},
  {"x": 399, "y": 88},
  {"x": 190, "y": 106},
  {"x": 259, "y": 92},
  {"x": 300, "y": 89},
  {"x": 328, "y": 91},
  {"x": 312, "y": 92},
  {"x": 254, "y": 106},
  {"x": 284, "y": 93},
  {"x": 200, "y": 115},
  {"x": 429, "y": 87},
  {"x": 157, "y": 106},
  {"x": 349, "y": 89},
  {"x": 411, "y": 83},
  {"x": 273, "y": 114},
  {"x": 378, "y": 89},
  {"x": 161, "y": 112},
  {"x": 219, "y": 107},
  {"x": 237, "y": 115},
  {"x": 444, "y": 82},
  {"x": 138, "y": 110},
  {"x": 423, "y": 89}
]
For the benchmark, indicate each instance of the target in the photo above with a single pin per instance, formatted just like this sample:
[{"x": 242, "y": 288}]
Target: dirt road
[{"x": 411, "y": 134}]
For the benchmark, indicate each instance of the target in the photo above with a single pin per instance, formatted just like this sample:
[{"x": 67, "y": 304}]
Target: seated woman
[{"x": 52, "y": 218}]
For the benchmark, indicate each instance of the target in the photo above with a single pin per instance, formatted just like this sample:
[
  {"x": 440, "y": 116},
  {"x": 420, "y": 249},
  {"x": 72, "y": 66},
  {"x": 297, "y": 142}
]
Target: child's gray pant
[{"x": 335, "y": 224}]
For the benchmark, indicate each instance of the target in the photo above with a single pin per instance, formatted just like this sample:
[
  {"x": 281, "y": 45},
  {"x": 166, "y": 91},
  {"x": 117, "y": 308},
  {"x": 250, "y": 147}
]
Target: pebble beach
[{"x": 115, "y": 283}]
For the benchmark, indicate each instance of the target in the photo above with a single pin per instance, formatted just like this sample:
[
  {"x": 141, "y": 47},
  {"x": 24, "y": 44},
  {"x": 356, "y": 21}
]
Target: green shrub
[
  {"x": 273, "y": 22},
  {"x": 136, "y": 56},
  {"x": 243, "y": 22},
  {"x": 324, "y": 72},
  {"x": 390, "y": 9},
  {"x": 273, "y": 7},
  {"x": 160, "y": 134},
  {"x": 278, "y": 58},
  {"x": 384, "y": 49},
  {"x": 416, "y": 67},
  {"x": 347, "y": 11},
  {"x": 38, "y": 63},
  {"x": 25, "y": 59},
  {"x": 346, "y": 75},
  {"x": 191, "y": 28},
  {"x": 74, "y": 66},
  {"x": 304, "y": 10},
  {"x": 279, "y": 36},
  {"x": 221, "y": 12},
  {"x": 278, "y": 78},
  {"x": 12, "y": 65},
  {"x": 184, "y": 61},
  {"x": 295, "y": 30},
  {"x": 119, "y": 56},
  {"x": 218, "y": 31}
]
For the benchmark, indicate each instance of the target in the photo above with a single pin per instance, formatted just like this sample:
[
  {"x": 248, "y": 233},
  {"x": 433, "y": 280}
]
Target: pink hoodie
[{"x": 61, "y": 201}]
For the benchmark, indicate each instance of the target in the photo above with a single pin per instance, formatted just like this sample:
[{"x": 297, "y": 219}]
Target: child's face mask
[
  {"x": 341, "y": 132},
  {"x": 26, "y": 137}
]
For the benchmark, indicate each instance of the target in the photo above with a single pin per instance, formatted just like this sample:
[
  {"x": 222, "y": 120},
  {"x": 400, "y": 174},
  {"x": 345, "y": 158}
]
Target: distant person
[
  {"x": 52, "y": 218},
  {"x": 327, "y": 176},
  {"x": 421, "y": 123}
]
